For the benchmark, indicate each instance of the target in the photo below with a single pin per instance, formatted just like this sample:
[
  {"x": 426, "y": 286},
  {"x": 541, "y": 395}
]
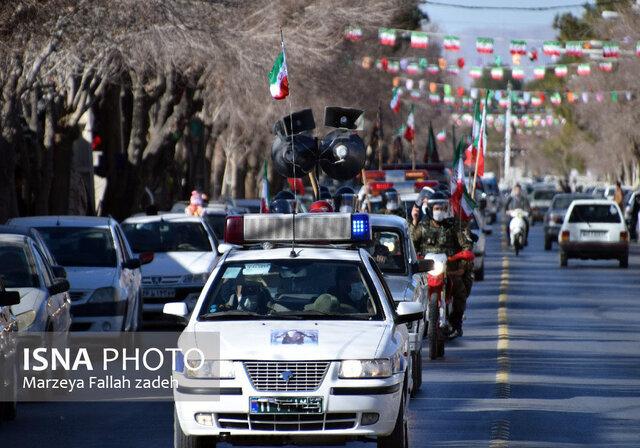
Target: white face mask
[{"x": 439, "y": 215}]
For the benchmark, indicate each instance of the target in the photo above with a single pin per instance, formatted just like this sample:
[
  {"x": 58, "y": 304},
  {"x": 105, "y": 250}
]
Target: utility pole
[{"x": 507, "y": 139}]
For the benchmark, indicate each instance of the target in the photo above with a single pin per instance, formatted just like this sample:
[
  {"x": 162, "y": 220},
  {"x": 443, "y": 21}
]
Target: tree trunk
[{"x": 62, "y": 159}]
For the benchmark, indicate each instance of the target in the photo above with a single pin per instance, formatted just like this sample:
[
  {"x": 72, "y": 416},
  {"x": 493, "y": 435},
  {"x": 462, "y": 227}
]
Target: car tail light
[
  {"x": 565, "y": 235},
  {"x": 380, "y": 186},
  {"x": 375, "y": 174},
  {"x": 415, "y": 174},
  {"x": 234, "y": 230},
  {"x": 419, "y": 185},
  {"x": 624, "y": 236}
]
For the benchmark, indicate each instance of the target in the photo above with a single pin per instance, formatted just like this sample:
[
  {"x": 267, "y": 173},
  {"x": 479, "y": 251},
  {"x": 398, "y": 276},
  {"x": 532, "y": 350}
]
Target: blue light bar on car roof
[{"x": 321, "y": 228}]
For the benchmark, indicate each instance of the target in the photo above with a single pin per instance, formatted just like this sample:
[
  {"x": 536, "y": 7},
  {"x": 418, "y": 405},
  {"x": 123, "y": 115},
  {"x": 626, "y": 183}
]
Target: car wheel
[
  {"x": 433, "y": 331},
  {"x": 181, "y": 440},
  {"x": 624, "y": 262},
  {"x": 399, "y": 437},
  {"x": 564, "y": 260},
  {"x": 547, "y": 243},
  {"x": 479, "y": 274},
  {"x": 417, "y": 373}
]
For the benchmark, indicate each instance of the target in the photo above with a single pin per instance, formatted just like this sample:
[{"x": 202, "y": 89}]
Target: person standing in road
[
  {"x": 438, "y": 233},
  {"x": 618, "y": 196}
]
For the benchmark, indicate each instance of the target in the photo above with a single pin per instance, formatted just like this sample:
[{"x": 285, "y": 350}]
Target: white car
[
  {"x": 44, "y": 304},
  {"x": 103, "y": 273},
  {"x": 594, "y": 229},
  {"x": 302, "y": 343},
  {"x": 540, "y": 200},
  {"x": 393, "y": 251},
  {"x": 8, "y": 358},
  {"x": 185, "y": 253}
]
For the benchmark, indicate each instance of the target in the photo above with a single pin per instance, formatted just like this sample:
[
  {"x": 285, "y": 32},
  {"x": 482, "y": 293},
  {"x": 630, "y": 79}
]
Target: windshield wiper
[
  {"x": 232, "y": 314},
  {"x": 323, "y": 314}
]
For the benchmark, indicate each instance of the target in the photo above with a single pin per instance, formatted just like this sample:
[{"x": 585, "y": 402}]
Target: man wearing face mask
[
  {"x": 345, "y": 200},
  {"x": 439, "y": 233},
  {"x": 391, "y": 203}
]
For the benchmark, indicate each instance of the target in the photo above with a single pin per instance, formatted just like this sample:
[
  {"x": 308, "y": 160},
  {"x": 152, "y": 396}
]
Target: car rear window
[
  {"x": 544, "y": 195},
  {"x": 81, "y": 246},
  {"x": 167, "y": 236},
  {"x": 595, "y": 213}
]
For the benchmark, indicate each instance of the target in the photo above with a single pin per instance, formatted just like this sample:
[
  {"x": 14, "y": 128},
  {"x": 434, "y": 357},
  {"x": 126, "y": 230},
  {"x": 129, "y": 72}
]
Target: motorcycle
[
  {"x": 517, "y": 229},
  {"x": 440, "y": 299}
]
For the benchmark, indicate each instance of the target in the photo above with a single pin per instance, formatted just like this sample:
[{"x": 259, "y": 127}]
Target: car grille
[
  {"x": 287, "y": 422},
  {"x": 305, "y": 375},
  {"x": 154, "y": 280}
]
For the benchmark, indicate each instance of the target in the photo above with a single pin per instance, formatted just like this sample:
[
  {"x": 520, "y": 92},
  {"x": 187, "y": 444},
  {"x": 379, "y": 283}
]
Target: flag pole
[
  {"x": 380, "y": 136},
  {"x": 481, "y": 147}
]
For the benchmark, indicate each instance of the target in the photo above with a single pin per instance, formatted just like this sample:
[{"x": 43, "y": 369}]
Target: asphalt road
[{"x": 550, "y": 358}]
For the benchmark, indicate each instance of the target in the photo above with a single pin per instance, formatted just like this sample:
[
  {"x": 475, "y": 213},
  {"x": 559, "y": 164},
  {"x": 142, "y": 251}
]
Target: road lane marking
[{"x": 501, "y": 429}]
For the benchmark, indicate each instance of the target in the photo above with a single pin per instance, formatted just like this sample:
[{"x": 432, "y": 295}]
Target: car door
[
  {"x": 56, "y": 304},
  {"x": 127, "y": 277}
]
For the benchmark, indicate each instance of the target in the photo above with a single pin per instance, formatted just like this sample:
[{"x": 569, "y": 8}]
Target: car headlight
[
  {"x": 209, "y": 369},
  {"x": 369, "y": 368},
  {"x": 24, "y": 320},
  {"x": 103, "y": 295},
  {"x": 199, "y": 279},
  {"x": 438, "y": 268}
]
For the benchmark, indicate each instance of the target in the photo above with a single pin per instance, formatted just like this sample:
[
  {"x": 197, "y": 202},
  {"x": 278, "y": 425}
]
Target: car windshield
[
  {"x": 81, "y": 246},
  {"x": 543, "y": 195},
  {"x": 595, "y": 213},
  {"x": 291, "y": 289},
  {"x": 216, "y": 222},
  {"x": 387, "y": 249},
  {"x": 167, "y": 236},
  {"x": 15, "y": 269},
  {"x": 563, "y": 202}
]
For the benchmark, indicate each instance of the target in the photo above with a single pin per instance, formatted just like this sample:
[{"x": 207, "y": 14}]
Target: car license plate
[
  {"x": 159, "y": 293},
  {"x": 594, "y": 235},
  {"x": 285, "y": 405}
]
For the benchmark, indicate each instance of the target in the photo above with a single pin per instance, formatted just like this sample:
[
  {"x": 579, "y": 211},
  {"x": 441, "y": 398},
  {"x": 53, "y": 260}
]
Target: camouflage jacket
[{"x": 451, "y": 237}]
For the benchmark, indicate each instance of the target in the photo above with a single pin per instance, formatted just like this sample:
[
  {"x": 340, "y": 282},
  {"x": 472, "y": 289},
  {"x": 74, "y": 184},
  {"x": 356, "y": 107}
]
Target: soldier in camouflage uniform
[
  {"x": 391, "y": 203},
  {"x": 437, "y": 233}
]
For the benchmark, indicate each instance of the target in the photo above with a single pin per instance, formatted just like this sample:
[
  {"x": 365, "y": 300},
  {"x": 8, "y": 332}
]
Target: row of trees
[{"x": 177, "y": 90}]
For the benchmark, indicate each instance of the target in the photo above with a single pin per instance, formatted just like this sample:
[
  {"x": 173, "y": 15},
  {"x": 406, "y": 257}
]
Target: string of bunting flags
[
  {"x": 423, "y": 66},
  {"x": 486, "y": 45}
]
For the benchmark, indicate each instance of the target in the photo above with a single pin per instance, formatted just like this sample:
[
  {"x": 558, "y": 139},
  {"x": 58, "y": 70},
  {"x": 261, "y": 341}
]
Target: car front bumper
[
  {"x": 107, "y": 316},
  {"x": 344, "y": 403},
  {"x": 594, "y": 249},
  {"x": 153, "y": 306}
]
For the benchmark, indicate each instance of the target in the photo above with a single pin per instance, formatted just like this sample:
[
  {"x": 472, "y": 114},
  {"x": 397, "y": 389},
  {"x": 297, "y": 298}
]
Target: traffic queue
[{"x": 313, "y": 317}]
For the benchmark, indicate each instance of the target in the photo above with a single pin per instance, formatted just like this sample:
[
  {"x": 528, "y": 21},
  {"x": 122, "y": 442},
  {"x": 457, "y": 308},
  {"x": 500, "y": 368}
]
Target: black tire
[
  {"x": 416, "y": 373},
  {"x": 441, "y": 342},
  {"x": 433, "y": 331},
  {"x": 479, "y": 274},
  {"x": 624, "y": 262},
  {"x": 547, "y": 242},
  {"x": 399, "y": 437},
  {"x": 181, "y": 440},
  {"x": 564, "y": 260}
]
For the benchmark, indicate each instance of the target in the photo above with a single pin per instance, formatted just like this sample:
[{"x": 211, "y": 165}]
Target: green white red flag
[
  {"x": 278, "y": 80},
  {"x": 484, "y": 45},
  {"x": 395, "y": 100},
  {"x": 419, "y": 39},
  {"x": 461, "y": 203},
  {"x": 264, "y": 196},
  {"x": 410, "y": 129},
  {"x": 476, "y": 151}
]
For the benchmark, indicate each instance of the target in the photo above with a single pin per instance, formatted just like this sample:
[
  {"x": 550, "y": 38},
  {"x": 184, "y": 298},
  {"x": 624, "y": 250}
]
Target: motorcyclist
[
  {"x": 344, "y": 200},
  {"x": 440, "y": 233},
  {"x": 517, "y": 200},
  {"x": 391, "y": 203}
]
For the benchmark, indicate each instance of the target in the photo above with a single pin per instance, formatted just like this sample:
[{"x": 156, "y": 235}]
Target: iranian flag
[
  {"x": 461, "y": 203},
  {"x": 561, "y": 71},
  {"x": 419, "y": 39},
  {"x": 410, "y": 129},
  {"x": 518, "y": 47},
  {"x": 497, "y": 73},
  {"x": 574, "y": 48},
  {"x": 484, "y": 45},
  {"x": 610, "y": 50},
  {"x": 517, "y": 73},
  {"x": 441, "y": 136},
  {"x": 387, "y": 36},
  {"x": 278, "y": 81},
  {"x": 551, "y": 48},
  {"x": 475, "y": 129},
  {"x": 606, "y": 67},
  {"x": 475, "y": 72},
  {"x": 353, "y": 34},
  {"x": 476, "y": 150},
  {"x": 264, "y": 196},
  {"x": 433, "y": 69},
  {"x": 638, "y": 48},
  {"x": 539, "y": 72},
  {"x": 395, "y": 100},
  {"x": 451, "y": 43},
  {"x": 584, "y": 69}
]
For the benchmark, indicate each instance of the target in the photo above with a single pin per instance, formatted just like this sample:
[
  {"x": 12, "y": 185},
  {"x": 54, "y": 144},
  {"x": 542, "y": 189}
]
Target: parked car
[
  {"x": 185, "y": 250},
  {"x": 540, "y": 200},
  {"x": 44, "y": 304},
  {"x": 594, "y": 229},
  {"x": 58, "y": 271},
  {"x": 554, "y": 217},
  {"x": 478, "y": 227},
  {"x": 8, "y": 358},
  {"x": 103, "y": 273}
]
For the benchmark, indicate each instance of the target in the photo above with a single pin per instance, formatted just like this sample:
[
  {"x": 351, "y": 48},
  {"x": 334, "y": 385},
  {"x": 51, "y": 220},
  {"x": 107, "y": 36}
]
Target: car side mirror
[
  {"x": 409, "y": 312},
  {"x": 59, "y": 286},
  {"x": 421, "y": 266},
  {"x": 133, "y": 263},
  {"x": 59, "y": 272},
  {"x": 146, "y": 258},
  {"x": 9, "y": 298},
  {"x": 178, "y": 309}
]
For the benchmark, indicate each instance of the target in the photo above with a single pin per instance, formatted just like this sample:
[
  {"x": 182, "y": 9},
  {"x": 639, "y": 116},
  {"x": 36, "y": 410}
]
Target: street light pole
[{"x": 507, "y": 138}]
